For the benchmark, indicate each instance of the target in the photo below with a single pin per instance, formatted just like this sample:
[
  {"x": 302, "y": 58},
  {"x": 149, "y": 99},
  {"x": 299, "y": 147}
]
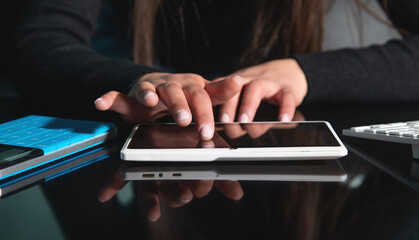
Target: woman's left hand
[{"x": 281, "y": 82}]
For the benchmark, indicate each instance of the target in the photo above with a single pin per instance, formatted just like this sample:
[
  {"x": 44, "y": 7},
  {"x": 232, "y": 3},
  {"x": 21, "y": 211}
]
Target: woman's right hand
[{"x": 185, "y": 96}]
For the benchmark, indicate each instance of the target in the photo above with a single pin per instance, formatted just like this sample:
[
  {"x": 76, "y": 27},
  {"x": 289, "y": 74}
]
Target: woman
[{"x": 261, "y": 50}]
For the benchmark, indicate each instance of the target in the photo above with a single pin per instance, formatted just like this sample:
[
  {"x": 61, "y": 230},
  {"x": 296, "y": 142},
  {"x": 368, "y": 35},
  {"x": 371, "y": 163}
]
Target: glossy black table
[{"x": 377, "y": 201}]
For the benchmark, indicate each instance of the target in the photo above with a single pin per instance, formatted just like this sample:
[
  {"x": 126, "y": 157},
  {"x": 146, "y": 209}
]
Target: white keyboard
[{"x": 399, "y": 132}]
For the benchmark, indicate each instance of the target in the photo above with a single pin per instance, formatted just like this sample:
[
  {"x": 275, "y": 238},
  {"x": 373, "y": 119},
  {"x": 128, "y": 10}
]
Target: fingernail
[
  {"x": 238, "y": 196},
  {"x": 206, "y": 131},
  {"x": 237, "y": 76},
  {"x": 98, "y": 100},
  {"x": 224, "y": 118},
  {"x": 244, "y": 118},
  {"x": 207, "y": 144},
  {"x": 183, "y": 200},
  {"x": 100, "y": 104},
  {"x": 153, "y": 218},
  {"x": 182, "y": 115},
  {"x": 284, "y": 118},
  {"x": 105, "y": 196},
  {"x": 147, "y": 94}
]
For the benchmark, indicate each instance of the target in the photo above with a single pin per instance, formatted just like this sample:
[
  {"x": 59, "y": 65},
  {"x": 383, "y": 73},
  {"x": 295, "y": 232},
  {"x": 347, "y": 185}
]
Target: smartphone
[{"x": 253, "y": 141}]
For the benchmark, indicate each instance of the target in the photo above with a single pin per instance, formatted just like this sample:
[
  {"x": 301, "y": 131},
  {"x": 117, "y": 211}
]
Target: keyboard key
[
  {"x": 371, "y": 130},
  {"x": 411, "y": 134},
  {"x": 400, "y": 132},
  {"x": 360, "y": 128},
  {"x": 389, "y": 130},
  {"x": 398, "y": 124}
]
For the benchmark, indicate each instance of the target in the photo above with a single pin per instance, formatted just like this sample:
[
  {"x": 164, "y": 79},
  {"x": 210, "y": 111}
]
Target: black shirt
[{"x": 53, "y": 56}]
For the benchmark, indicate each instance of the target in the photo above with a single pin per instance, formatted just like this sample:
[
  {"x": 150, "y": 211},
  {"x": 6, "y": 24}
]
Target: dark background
[{"x": 9, "y": 20}]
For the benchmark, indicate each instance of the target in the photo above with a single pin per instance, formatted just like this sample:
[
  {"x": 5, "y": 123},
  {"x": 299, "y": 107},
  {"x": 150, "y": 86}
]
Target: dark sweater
[{"x": 53, "y": 57}]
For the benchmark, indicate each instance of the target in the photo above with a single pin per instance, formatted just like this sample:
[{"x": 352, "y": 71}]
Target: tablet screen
[{"x": 235, "y": 135}]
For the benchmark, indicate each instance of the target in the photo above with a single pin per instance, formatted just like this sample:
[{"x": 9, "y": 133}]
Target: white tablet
[
  {"x": 254, "y": 141},
  {"x": 307, "y": 171}
]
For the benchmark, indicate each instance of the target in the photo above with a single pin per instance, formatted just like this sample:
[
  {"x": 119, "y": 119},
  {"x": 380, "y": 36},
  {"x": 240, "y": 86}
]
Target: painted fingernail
[
  {"x": 224, "y": 118},
  {"x": 244, "y": 118},
  {"x": 284, "y": 118},
  {"x": 182, "y": 115},
  {"x": 206, "y": 131}
]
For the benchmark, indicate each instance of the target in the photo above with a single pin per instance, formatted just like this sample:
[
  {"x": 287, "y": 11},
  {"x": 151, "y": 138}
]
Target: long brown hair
[
  {"x": 281, "y": 28},
  {"x": 144, "y": 19}
]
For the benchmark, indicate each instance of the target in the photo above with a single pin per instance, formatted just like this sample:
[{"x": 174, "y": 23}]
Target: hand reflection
[
  {"x": 256, "y": 130},
  {"x": 164, "y": 136},
  {"x": 174, "y": 193}
]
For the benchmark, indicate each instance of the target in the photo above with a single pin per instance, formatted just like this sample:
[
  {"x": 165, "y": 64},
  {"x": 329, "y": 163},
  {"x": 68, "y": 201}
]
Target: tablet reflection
[
  {"x": 176, "y": 184},
  {"x": 173, "y": 193}
]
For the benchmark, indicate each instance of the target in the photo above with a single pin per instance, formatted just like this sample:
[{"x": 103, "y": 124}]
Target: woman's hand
[
  {"x": 184, "y": 96},
  {"x": 281, "y": 82}
]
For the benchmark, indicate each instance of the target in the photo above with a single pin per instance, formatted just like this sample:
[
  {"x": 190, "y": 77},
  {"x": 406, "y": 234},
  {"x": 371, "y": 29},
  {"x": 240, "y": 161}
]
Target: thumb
[
  {"x": 129, "y": 109},
  {"x": 220, "y": 91},
  {"x": 115, "y": 101}
]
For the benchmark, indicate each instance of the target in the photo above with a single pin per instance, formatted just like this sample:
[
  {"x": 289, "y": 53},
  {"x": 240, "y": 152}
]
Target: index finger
[
  {"x": 286, "y": 102},
  {"x": 201, "y": 107}
]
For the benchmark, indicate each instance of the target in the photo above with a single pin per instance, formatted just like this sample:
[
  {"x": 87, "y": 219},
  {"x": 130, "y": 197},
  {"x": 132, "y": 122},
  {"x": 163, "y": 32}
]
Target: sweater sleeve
[
  {"x": 52, "y": 56},
  {"x": 386, "y": 72}
]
